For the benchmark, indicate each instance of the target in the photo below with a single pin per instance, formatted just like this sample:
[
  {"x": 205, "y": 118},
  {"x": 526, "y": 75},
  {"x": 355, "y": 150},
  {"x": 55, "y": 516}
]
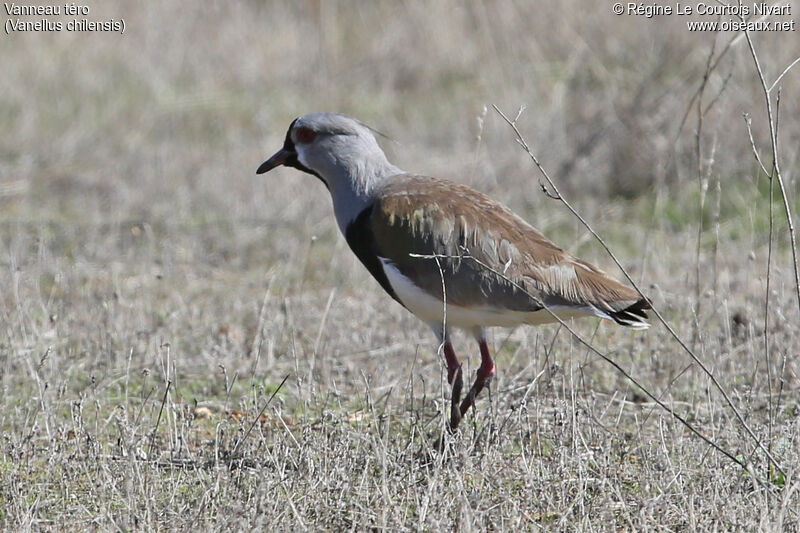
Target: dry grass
[{"x": 154, "y": 292}]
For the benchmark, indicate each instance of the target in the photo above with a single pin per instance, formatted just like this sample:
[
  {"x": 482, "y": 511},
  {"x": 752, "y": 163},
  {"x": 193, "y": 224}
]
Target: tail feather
[{"x": 633, "y": 316}]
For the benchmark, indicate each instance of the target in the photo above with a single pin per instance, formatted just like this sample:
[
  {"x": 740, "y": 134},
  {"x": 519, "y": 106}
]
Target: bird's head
[{"x": 339, "y": 150}]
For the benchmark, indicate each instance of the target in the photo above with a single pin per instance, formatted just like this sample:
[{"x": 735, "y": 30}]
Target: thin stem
[
  {"x": 702, "y": 182},
  {"x": 767, "y": 360},
  {"x": 779, "y": 78},
  {"x": 773, "y": 135},
  {"x": 158, "y": 420},
  {"x": 600, "y": 354},
  {"x": 256, "y": 419},
  {"x": 689, "y": 351}
]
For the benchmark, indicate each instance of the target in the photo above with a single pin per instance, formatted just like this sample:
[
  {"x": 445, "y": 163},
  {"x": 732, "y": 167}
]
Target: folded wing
[{"x": 433, "y": 230}]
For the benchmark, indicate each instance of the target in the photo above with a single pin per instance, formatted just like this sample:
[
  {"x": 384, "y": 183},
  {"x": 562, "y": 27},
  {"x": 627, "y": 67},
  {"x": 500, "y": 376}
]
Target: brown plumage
[{"x": 490, "y": 255}]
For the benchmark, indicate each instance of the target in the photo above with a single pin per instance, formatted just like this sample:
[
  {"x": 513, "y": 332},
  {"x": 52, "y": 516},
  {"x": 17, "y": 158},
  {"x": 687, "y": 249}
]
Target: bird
[{"x": 446, "y": 252}]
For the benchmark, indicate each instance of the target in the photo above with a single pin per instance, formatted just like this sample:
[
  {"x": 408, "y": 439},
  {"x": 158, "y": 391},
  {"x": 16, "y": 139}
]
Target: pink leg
[
  {"x": 485, "y": 373},
  {"x": 455, "y": 378}
]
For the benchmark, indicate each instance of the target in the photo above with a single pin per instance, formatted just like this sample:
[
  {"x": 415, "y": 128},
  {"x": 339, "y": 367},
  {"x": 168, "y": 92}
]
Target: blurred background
[
  {"x": 128, "y": 193},
  {"x": 187, "y": 99}
]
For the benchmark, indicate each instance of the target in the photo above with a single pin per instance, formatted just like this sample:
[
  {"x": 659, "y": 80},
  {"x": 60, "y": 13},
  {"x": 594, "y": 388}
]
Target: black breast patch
[{"x": 362, "y": 241}]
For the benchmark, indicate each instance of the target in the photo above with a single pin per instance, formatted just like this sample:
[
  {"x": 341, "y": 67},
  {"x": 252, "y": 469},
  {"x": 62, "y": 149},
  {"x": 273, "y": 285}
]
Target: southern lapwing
[{"x": 449, "y": 254}]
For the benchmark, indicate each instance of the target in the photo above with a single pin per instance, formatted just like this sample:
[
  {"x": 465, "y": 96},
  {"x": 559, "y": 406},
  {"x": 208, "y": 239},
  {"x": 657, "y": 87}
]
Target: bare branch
[
  {"x": 776, "y": 174},
  {"x": 663, "y": 321},
  {"x": 748, "y": 121},
  {"x": 787, "y": 69}
]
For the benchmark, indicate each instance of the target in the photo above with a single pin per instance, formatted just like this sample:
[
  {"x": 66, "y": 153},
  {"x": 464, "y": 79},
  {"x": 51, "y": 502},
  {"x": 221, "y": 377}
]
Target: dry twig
[{"x": 521, "y": 141}]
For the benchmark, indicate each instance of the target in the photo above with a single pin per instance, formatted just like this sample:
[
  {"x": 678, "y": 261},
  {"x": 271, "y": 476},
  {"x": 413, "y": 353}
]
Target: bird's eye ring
[{"x": 305, "y": 135}]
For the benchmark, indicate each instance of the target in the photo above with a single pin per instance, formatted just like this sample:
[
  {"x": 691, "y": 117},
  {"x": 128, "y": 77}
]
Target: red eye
[{"x": 305, "y": 135}]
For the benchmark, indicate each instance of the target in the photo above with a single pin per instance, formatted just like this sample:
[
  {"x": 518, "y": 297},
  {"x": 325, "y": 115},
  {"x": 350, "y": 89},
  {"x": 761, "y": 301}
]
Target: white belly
[{"x": 431, "y": 309}]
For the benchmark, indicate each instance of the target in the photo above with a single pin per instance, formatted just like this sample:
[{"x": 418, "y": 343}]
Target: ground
[{"x": 185, "y": 344}]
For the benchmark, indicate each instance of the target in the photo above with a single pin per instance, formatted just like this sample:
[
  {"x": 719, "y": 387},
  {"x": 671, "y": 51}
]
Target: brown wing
[{"x": 501, "y": 260}]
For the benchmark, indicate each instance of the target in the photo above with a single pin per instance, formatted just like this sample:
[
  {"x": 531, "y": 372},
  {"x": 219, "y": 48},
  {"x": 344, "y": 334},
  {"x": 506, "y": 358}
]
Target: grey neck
[
  {"x": 351, "y": 196},
  {"x": 355, "y": 180}
]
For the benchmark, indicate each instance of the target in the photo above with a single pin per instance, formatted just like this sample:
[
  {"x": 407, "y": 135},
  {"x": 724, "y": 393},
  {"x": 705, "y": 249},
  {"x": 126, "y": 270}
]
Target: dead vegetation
[{"x": 154, "y": 292}]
